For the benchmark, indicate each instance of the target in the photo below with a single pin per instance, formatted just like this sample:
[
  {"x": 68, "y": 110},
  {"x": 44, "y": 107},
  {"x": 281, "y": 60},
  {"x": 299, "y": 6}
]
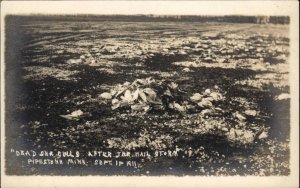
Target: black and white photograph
[{"x": 147, "y": 94}]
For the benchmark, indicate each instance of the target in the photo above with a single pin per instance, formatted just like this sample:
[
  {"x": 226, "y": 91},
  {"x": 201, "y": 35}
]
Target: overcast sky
[{"x": 149, "y": 7}]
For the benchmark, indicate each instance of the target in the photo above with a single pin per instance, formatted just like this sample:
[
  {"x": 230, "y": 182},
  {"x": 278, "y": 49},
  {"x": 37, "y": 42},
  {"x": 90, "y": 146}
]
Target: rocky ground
[{"x": 217, "y": 93}]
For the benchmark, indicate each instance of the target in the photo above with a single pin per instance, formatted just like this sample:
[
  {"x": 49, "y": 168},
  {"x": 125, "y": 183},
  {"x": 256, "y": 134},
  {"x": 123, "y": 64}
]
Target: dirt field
[{"x": 80, "y": 86}]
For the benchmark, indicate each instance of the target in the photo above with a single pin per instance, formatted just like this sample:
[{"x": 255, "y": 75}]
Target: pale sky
[{"x": 149, "y": 7}]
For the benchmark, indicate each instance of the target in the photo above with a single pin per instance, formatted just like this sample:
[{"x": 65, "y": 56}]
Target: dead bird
[{"x": 76, "y": 115}]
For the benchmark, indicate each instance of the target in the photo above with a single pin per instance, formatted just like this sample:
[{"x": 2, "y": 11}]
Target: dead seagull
[{"x": 76, "y": 115}]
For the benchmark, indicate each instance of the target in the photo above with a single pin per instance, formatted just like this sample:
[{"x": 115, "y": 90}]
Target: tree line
[{"x": 159, "y": 18}]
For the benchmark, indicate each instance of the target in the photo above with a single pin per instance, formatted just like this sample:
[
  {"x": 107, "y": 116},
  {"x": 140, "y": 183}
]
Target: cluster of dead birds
[
  {"x": 144, "y": 95},
  {"x": 149, "y": 95}
]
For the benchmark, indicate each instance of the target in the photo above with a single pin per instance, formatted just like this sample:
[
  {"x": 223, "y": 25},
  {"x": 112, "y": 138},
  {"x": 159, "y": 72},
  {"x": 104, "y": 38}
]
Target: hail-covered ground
[{"x": 216, "y": 93}]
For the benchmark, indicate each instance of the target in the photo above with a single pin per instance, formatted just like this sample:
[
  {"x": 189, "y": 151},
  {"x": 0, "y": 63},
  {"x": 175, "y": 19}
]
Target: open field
[{"x": 216, "y": 93}]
